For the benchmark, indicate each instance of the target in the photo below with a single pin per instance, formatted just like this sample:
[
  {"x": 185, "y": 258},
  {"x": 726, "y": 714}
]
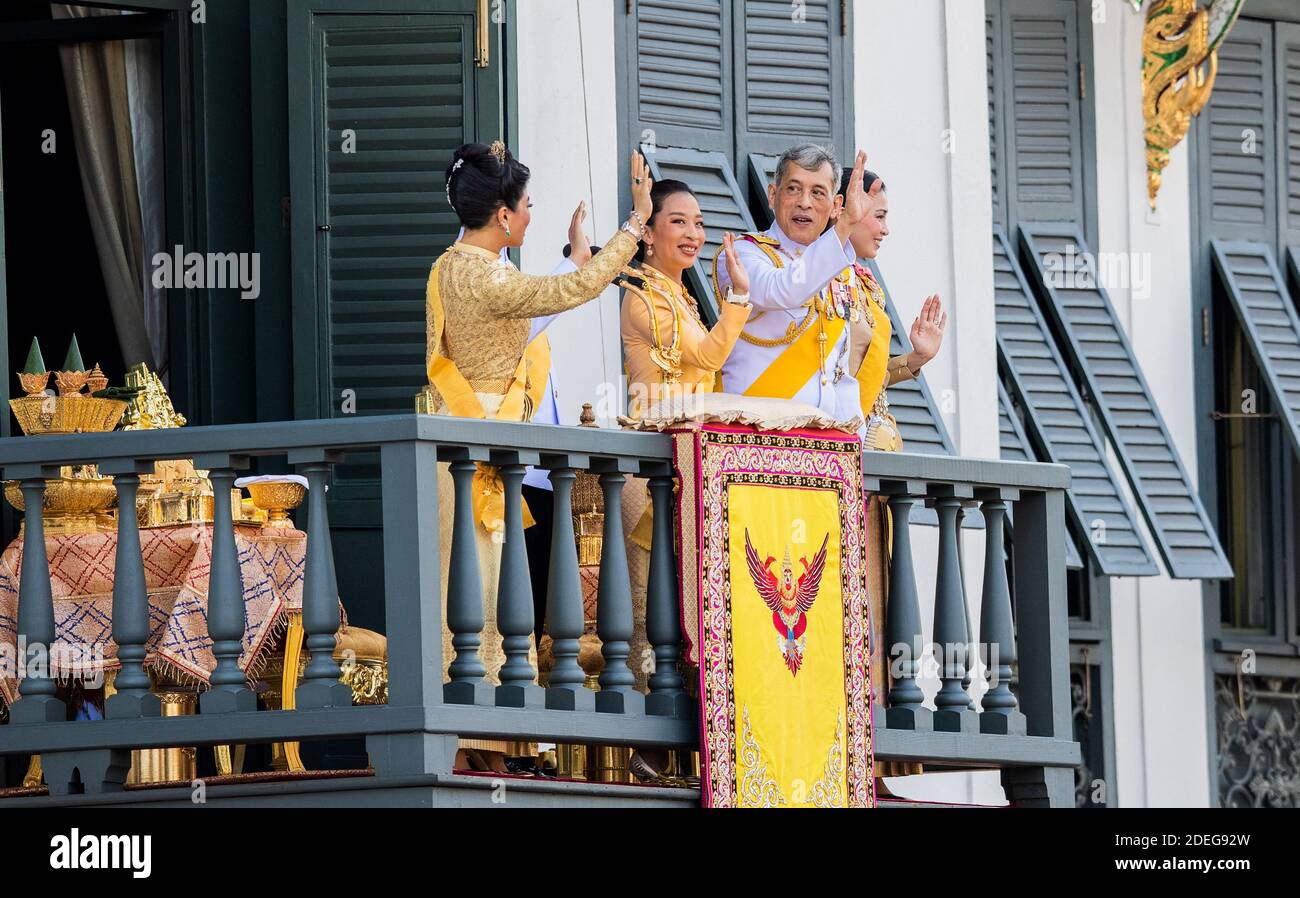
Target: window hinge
[
  {"x": 628, "y": 8},
  {"x": 1083, "y": 83},
  {"x": 844, "y": 18},
  {"x": 481, "y": 49},
  {"x": 286, "y": 212},
  {"x": 1205, "y": 327}
]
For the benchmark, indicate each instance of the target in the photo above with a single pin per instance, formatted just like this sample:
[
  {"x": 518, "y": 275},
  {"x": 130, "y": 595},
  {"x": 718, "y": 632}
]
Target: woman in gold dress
[
  {"x": 877, "y": 371},
  {"x": 670, "y": 354},
  {"x": 480, "y": 363},
  {"x": 669, "y": 351}
]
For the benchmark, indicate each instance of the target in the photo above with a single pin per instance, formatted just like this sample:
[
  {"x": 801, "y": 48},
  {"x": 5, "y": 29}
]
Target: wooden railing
[{"x": 412, "y": 740}]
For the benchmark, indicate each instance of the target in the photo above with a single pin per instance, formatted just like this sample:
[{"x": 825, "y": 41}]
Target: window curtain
[{"x": 114, "y": 94}]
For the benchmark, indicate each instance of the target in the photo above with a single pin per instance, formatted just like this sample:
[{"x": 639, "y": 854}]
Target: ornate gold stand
[
  {"x": 167, "y": 765},
  {"x": 163, "y": 765},
  {"x": 287, "y": 755}
]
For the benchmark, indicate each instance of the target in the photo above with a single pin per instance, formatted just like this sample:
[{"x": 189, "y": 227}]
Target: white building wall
[
  {"x": 1159, "y": 660},
  {"x": 568, "y": 137}
]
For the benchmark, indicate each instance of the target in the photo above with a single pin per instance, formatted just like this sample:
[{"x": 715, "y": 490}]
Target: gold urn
[
  {"x": 277, "y": 498},
  {"x": 79, "y": 501}
]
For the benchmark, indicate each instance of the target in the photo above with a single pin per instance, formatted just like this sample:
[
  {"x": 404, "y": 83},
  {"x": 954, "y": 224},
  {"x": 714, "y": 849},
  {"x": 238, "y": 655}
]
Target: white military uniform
[{"x": 781, "y": 298}]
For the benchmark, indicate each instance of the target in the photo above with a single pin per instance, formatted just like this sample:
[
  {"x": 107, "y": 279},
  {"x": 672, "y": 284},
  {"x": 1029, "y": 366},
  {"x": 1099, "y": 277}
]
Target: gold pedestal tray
[
  {"x": 79, "y": 501},
  {"x": 74, "y": 413}
]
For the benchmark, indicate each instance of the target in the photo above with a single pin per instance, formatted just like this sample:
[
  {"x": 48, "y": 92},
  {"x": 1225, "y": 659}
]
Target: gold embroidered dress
[
  {"x": 479, "y": 309},
  {"x": 669, "y": 353}
]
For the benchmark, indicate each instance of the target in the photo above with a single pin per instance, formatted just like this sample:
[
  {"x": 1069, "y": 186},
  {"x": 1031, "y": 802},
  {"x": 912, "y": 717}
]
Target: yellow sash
[
  {"x": 786, "y": 376},
  {"x": 521, "y": 397},
  {"x": 871, "y": 374}
]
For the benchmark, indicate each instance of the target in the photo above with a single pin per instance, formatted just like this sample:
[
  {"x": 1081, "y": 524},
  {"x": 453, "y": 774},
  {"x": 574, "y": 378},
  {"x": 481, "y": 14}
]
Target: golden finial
[{"x": 498, "y": 149}]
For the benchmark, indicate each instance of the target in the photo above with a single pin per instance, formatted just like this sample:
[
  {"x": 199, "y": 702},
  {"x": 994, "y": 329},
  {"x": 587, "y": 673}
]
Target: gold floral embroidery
[
  {"x": 826, "y": 792},
  {"x": 757, "y": 787}
]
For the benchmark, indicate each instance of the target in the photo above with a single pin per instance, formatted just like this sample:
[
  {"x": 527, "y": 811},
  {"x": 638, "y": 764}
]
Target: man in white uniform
[{"x": 796, "y": 344}]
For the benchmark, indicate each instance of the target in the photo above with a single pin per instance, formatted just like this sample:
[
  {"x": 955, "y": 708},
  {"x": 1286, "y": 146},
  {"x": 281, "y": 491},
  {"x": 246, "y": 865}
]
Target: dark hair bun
[
  {"x": 868, "y": 178},
  {"x": 479, "y": 183}
]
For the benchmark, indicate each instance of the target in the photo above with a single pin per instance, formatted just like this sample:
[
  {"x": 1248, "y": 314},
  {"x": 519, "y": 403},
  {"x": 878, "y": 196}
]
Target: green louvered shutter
[
  {"x": 791, "y": 63},
  {"x": 1238, "y": 132},
  {"x": 1268, "y": 318},
  {"x": 678, "y": 55},
  {"x": 1043, "y": 149},
  {"x": 723, "y": 205},
  {"x": 1060, "y": 424},
  {"x": 367, "y": 225},
  {"x": 1014, "y": 446},
  {"x": 1099, "y": 348},
  {"x": 1287, "y": 54},
  {"x": 911, "y": 402}
]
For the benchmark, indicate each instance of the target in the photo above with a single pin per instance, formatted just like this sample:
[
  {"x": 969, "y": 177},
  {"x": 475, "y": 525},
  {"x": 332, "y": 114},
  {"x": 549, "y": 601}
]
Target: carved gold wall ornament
[{"x": 1179, "y": 63}]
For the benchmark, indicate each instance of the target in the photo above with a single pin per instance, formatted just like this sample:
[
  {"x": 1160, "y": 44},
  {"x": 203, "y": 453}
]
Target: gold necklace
[{"x": 668, "y": 359}]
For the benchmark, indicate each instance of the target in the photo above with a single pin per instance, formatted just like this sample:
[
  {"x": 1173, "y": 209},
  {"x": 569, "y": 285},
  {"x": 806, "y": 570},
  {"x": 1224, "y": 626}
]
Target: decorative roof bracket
[{"x": 1179, "y": 63}]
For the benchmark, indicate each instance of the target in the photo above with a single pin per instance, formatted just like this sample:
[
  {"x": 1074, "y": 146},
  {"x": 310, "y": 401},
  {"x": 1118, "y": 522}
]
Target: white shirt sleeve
[{"x": 787, "y": 288}]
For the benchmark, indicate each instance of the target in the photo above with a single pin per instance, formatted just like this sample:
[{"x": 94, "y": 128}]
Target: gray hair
[{"x": 809, "y": 157}]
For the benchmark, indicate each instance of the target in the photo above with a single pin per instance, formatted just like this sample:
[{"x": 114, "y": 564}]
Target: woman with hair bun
[{"x": 481, "y": 363}]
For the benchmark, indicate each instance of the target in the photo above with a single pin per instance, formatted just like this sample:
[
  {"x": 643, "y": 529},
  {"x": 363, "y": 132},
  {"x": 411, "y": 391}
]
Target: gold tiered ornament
[
  {"x": 80, "y": 500},
  {"x": 177, "y": 493}
]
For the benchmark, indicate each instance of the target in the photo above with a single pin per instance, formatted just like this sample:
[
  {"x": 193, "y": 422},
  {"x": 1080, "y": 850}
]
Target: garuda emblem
[{"x": 789, "y": 599}]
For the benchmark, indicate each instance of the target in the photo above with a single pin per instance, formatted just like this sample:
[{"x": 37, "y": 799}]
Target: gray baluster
[
  {"x": 902, "y": 628},
  {"x": 614, "y": 607},
  {"x": 515, "y": 613},
  {"x": 997, "y": 628},
  {"x": 952, "y": 704},
  {"x": 226, "y": 617},
  {"x": 564, "y": 612},
  {"x": 38, "y": 700},
  {"x": 663, "y": 606},
  {"x": 968, "y": 678},
  {"x": 464, "y": 597},
  {"x": 320, "y": 686},
  {"x": 134, "y": 697}
]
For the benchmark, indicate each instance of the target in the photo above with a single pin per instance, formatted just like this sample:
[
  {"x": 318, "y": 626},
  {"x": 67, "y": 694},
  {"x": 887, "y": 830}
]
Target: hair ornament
[
  {"x": 454, "y": 168},
  {"x": 498, "y": 149}
]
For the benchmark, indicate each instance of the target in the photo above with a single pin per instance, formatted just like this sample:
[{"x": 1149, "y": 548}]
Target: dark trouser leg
[{"x": 537, "y": 539}]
